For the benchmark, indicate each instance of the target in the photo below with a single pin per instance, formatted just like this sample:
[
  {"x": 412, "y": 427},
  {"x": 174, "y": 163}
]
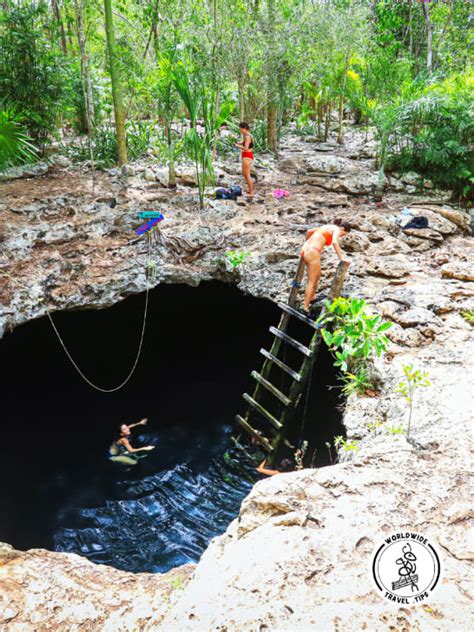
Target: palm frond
[{"x": 15, "y": 146}]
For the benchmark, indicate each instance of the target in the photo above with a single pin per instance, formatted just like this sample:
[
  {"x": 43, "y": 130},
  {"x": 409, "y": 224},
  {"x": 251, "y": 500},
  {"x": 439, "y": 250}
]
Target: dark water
[
  {"x": 157, "y": 521},
  {"x": 58, "y": 488}
]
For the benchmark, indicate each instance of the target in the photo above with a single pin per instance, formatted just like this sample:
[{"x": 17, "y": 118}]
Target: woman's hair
[
  {"x": 286, "y": 465},
  {"x": 345, "y": 225},
  {"x": 244, "y": 125}
]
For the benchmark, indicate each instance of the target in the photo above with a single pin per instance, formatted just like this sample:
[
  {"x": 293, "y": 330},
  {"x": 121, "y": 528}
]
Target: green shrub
[
  {"x": 356, "y": 333},
  {"x": 354, "y": 338},
  {"x": 15, "y": 145},
  {"x": 33, "y": 71},
  {"x": 433, "y": 134},
  {"x": 104, "y": 143}
]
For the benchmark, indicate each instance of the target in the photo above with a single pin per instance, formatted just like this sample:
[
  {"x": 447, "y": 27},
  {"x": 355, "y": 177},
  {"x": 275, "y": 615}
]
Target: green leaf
[{"x": 327, "y": 337}]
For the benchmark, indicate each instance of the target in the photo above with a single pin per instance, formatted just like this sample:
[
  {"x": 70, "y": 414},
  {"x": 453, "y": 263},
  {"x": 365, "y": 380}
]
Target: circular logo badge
[{"x": 406, "y": 568}]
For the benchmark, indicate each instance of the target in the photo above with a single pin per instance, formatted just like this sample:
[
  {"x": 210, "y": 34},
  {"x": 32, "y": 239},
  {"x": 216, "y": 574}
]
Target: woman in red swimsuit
[
  {"x": 316, "y": 239},
  {"x": 246, "y": 147}
]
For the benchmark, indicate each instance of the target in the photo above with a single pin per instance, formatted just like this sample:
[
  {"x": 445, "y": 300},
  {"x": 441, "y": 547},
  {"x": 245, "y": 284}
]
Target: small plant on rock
[
  {"x": 358, "y": 382},
  {"x": 468, "y": 315},
  {"x": 236, "y": 258},
  {"x": 414, "y": 379},
  {"x": 347, "y": 446},
  {"x": 395, "y": 430},
  {"x": 373, "y": 426}
]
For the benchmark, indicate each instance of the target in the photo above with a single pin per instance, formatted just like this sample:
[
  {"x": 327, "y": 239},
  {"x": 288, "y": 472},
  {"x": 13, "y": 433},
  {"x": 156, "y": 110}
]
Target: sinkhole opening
[{"x": 60, "y": 491}]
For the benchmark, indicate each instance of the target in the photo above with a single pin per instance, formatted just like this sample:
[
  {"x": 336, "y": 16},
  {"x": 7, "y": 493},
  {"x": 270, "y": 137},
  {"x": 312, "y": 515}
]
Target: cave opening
[{"x": 59, "y": 490}]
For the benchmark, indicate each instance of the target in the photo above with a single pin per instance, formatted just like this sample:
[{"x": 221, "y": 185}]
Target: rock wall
[
  {"x": 297, "y": 557},
  {"x": 40, "y": 591}
]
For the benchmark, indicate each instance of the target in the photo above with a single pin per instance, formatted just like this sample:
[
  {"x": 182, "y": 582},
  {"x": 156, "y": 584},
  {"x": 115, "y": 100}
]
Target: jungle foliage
[{"x": 102, "y": 67}]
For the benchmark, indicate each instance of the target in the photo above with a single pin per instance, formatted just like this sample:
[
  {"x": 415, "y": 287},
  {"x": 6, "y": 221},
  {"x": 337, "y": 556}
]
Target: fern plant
[{"x": 16, "y": 147}]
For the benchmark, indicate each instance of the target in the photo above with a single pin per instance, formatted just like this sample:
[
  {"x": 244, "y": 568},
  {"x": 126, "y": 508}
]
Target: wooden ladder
[{"x": 298, "y": 379}]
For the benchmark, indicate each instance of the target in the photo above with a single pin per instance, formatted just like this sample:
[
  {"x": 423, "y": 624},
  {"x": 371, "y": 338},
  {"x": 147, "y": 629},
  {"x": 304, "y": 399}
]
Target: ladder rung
[
  {"x": 248, "y": 428},
  {"x": 291, "y": 341},
  {"x": 284, "y": 367},
  {"x": 272, "y": 389},
  {"x": 294, "y": 312},
  {"x": 258, "y": 407}
]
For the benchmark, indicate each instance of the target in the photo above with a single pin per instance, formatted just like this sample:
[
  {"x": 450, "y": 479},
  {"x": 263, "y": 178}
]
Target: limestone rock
[
  {"x": 291, "y": 165},
  {"x": 424, "y": 233},
  {"x": 463, "y": 271},
  {"x": 412, "y": 178},
  {"x": 128, "y": 170},
  {"x": 356, "y": 241},
  {"x": 62, "y": 591},
  {"x": 25, "y": 171},
  {"x": 396, "y": 184},
  {"x": 161, "y": 176},
  {"x": 187, "y": 177},
  {"x": 149, "y": 175},
  {"x": 62, "y": 161},
  {"x": 390, "y": 267},
  {"x": 459, "y": 218},
  {"x": 326, "y": 164},
  {"x": 364, "y": 183}
]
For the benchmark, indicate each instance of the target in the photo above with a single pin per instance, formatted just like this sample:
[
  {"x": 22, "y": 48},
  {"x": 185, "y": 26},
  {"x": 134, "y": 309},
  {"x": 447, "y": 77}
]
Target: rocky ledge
[{"x": 298, "y": 556}]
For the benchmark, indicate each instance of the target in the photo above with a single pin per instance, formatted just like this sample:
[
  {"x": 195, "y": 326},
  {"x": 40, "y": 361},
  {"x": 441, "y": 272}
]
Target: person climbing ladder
[{"x": 316, "y": 239}]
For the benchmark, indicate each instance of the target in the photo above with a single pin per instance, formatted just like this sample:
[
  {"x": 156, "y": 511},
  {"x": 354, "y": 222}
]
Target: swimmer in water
[{"x": 122, "y": 451}]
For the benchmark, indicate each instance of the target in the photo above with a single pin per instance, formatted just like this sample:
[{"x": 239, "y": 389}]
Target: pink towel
[{"x": 280, "y": 193}]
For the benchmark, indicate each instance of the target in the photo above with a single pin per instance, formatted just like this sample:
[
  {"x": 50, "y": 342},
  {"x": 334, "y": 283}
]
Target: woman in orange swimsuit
[
  {"x": 246, "y": 147},
  {"x": 316, "y": 239}
]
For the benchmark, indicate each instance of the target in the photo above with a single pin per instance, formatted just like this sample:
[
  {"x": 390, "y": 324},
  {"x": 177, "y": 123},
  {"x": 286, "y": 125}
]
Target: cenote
[{"x": 60, "y": 492}]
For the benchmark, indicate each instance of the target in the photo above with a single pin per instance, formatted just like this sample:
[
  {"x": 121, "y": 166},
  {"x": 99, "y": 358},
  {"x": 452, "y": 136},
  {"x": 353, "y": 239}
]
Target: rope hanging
[
  {"x": 303, "y": 423},
  {"x": 140, "y": 345}
]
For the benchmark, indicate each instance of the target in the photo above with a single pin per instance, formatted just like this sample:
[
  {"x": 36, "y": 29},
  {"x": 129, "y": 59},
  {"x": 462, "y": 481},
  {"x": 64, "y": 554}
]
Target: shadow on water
[{"x": 59, "y": 491}]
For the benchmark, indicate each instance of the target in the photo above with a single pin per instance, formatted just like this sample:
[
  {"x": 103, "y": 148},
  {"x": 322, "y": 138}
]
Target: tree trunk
[
  {"x": 85, "y": 70},
  {"x": 410, "y": 28},
  {"x": 242, "y": 97},
  {"x": 116, "y": 84},
  {"x": 171, "y": 166},
  {"x": 340, "y": 138},
  {"x": 57, "y": 15},
  {"x": 272, "y": 126},
  {"x": 341, "y": 113},
  {"x": 429, "y": 39},
  {"x": 327, "y": 121},
  {"x": 271, "y": 96}
]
